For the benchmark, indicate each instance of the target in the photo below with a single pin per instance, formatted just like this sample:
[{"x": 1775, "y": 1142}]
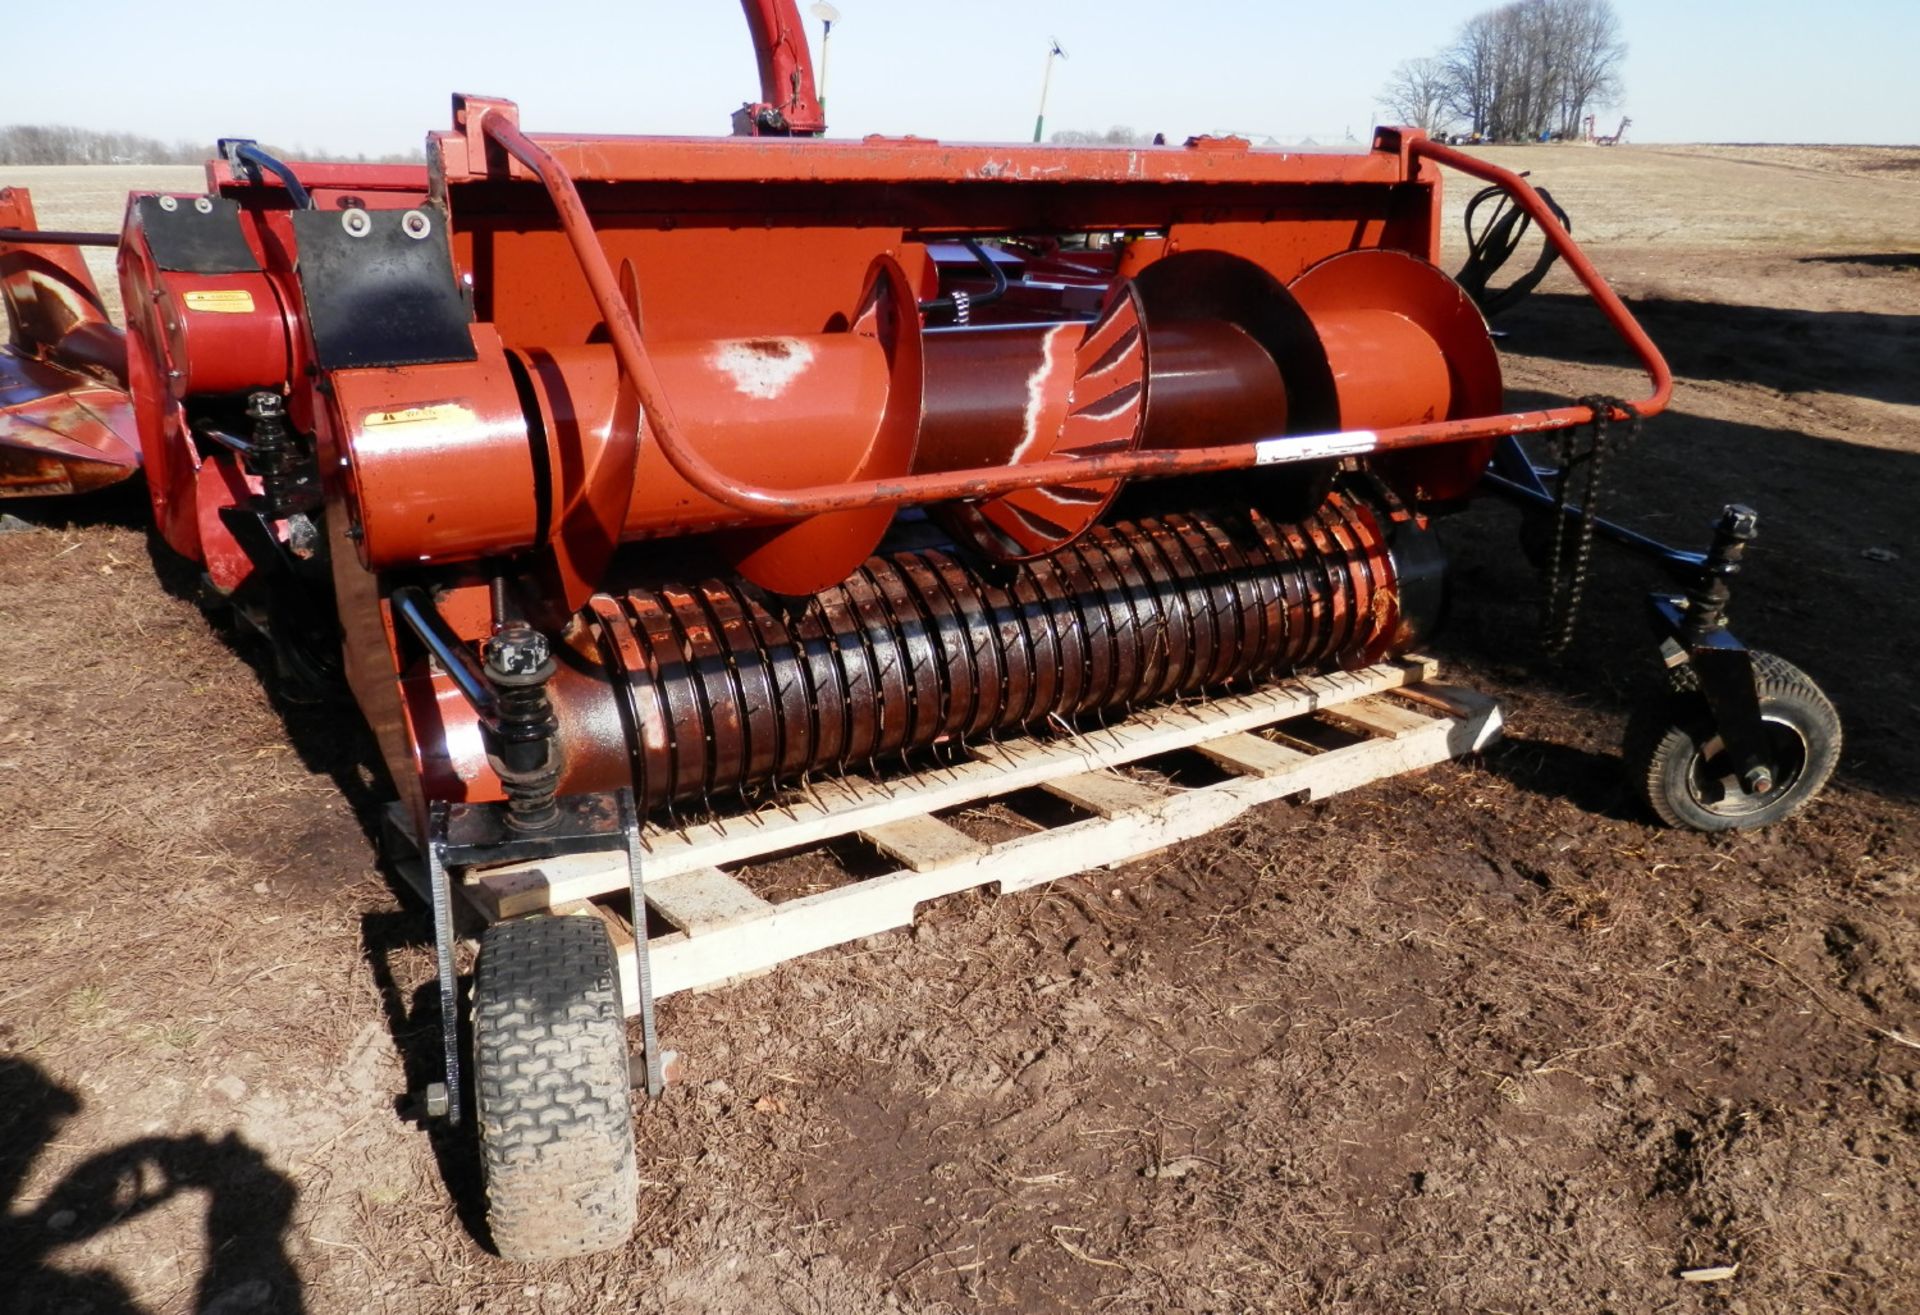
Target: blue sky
[{"x": 358, "y": 76}]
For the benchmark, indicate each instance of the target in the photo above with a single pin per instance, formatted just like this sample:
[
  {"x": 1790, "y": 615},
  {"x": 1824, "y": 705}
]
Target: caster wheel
[
  {"x": 551, "y": 1082},
  {"x": 1682, "y": 772}
]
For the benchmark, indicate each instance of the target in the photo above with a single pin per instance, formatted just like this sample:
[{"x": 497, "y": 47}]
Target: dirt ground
[{"x": 1479, "y": 1039}]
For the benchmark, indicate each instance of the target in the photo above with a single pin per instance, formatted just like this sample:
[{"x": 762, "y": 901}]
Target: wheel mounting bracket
[
  {"x": 1693, "y": 630},
  {"x": 473, "y": 834},
  {"x": 444, "y": 1103}
]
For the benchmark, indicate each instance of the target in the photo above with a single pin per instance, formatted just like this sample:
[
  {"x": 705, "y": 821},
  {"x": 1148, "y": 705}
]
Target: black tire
[
  {"x": 1668, "y": 739},
  {"x": 552, "y": 1089}
]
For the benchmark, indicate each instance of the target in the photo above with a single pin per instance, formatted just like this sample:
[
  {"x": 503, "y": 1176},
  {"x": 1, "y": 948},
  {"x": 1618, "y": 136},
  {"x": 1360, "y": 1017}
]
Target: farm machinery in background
[
  {"x": 1613, "y": 138},
  {"x": 621, "y": 478},
  {"x": 66, "y": 422}
]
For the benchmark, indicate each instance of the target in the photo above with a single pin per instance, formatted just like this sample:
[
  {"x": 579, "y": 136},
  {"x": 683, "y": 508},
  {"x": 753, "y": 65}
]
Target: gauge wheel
[
  {"x": 552, "y": 1089},
  {"x": 1681, "y": 768}
]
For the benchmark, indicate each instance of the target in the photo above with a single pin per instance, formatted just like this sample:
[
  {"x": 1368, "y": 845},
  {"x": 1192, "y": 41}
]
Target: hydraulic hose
[
  {"x": 1492, "y": 244},
  {"x": 256, "y": 160},
  {"x": 961, "y": 303}
]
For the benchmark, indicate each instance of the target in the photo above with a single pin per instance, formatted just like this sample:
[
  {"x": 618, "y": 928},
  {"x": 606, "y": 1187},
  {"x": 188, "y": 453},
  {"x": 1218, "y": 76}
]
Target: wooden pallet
[{"x": 1267, "y": 745}]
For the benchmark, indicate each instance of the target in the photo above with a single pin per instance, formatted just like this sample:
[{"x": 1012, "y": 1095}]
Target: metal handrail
[
  {"x": 791, "y": 504},
  {"x": 1659, "y": 374}
]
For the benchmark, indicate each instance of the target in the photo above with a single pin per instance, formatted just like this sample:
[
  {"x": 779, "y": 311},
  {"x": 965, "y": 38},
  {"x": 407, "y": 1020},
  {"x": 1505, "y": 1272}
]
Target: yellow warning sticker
[
  {"x": 432, "y": 413},
  {"x": 221, "y": 301}
]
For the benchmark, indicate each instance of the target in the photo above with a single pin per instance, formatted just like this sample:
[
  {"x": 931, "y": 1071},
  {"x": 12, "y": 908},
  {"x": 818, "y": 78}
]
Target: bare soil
[{"x": 1480, "y": 1039}]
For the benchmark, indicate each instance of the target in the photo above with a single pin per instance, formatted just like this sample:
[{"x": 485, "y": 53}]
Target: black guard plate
[
  {"x": 383, "y": 299},
  {"x": 191, "y": 241}
]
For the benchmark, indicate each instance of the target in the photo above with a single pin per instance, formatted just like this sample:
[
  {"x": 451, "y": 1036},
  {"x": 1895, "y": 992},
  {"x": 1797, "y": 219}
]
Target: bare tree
[
  {"x": 1473, "y": 72},
  {"x": 54, "y": 143},
  {"x": 1534, "y": 67},
  {"x": 1118, "y": 135},
  {"x": 1418, "y": 95},
  {"x": 1591, "y": 52}
]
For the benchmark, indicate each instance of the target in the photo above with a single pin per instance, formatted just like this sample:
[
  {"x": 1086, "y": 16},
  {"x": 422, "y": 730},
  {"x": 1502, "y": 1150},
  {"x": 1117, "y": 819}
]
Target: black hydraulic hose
[
  {"x": 256, "y": 159},
  {"x": 415, "y": 606},
  {"x": 961, "y": 303},
  {"x": 1491, "y": 245},
  {"x": 51, "y": 237}
]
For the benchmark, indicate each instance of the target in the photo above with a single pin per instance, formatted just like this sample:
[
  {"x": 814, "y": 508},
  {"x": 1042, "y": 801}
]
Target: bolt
[
  {"x": 1758, "y": 781},
  {"x": 266, "y": 405},
  {"x": 435, "y": 1100},
  {"x": 356, "y": 221},
  {"x": 516, "y": 649},
  {"x": 303, "y": 536},
  {"x": 415, "y": 224},
  {"x": 203, "y": 205},
  {"x": 1739, "y": 521},
  {"x": 169, "y": 203}
]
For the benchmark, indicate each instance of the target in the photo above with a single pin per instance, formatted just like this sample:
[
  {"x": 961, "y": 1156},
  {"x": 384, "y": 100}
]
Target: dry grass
[{"x": 94, "y": 200}]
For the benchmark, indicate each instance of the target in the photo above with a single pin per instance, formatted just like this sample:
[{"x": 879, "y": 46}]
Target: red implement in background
[{"x": 66, "y": 423}]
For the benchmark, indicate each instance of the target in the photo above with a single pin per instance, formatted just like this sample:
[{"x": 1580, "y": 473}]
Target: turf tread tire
[
  {"x": 1665, "y": 731},
  {"x": 552, "y": 1090}
]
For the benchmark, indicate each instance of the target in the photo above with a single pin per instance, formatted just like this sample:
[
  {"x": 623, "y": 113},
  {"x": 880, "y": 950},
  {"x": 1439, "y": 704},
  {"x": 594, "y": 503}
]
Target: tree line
[
  {"x": 55, "y": 143},
  {"x": 1523, "y": 71},
  {"x": 1118, "y": 135}
]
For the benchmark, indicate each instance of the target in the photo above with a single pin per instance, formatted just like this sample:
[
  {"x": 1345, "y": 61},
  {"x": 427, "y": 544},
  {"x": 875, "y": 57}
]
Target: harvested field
[{"x": 1479, "y": 1039}]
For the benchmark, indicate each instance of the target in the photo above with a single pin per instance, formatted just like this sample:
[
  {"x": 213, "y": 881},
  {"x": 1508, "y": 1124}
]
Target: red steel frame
[{"x": 495, "y": 123}]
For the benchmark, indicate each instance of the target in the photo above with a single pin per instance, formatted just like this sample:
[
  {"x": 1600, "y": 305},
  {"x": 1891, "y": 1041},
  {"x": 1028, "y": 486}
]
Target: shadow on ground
[
  {"x": 1859, "y": 353},
  {"x": 413, "y": 1020},
  {"x": 243, "y": 1265},
  {"x": 1829, "y": 584},
  {"x": 1870, "y": 259}
]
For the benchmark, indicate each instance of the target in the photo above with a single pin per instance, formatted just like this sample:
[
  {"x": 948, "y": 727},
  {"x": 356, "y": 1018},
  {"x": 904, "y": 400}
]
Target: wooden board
[
  {"x": 832, "y": 809},
  {"x": 721, "y": 930}
]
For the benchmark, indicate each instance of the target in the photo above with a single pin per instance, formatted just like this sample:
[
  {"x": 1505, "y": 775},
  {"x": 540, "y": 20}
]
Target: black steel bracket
[
  {"x": 642, "y": 958},
  {"x": 380, "y": 288},
  {"x": 443, "y": 1099},
  {"x": 198, "y": 235},
  {"x": 480, "y": 833},
  {"x": 1724, "y": 668},
  {"x": 464, "y": 835},
  {"x": 1513, "y": 475}
]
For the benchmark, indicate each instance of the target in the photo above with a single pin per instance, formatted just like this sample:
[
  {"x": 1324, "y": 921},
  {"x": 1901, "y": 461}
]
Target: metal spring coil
[{"x": 724, "y": 688}]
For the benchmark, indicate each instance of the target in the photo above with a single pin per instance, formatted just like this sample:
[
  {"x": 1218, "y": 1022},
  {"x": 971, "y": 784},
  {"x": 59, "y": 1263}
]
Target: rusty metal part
[
  {"x": 66, "y": 422},
  {"x": 722, "y": 692},
  {"x": 1078, "y": 390},
  {"x": 60, "y": 433}
]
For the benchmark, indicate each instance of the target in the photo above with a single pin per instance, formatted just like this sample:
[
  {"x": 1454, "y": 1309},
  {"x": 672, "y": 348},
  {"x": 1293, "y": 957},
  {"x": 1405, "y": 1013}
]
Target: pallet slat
[
  {"x": 1102, "y": 794},
  {"x": 521, "y": 888},
  {"x": 1378, "y": 716},
  {"x": 703, "y": 900},
  {"x": 922, "y": 843},
  {"x": 1251, "y": 755}
]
